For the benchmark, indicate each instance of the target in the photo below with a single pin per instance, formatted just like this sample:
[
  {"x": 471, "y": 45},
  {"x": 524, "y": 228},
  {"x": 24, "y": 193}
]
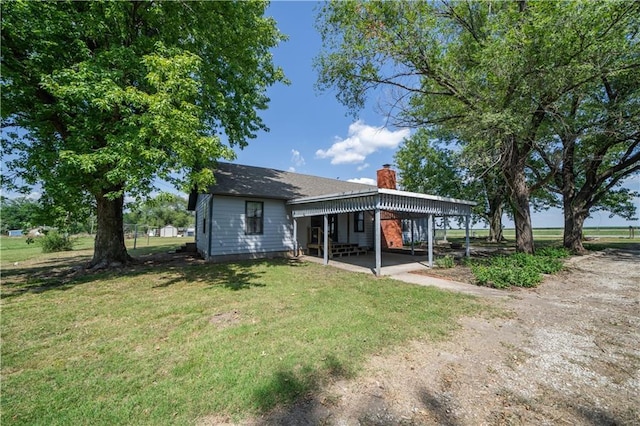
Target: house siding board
[
  {"x": 343, "y": 230},
  {"x": 367, "y": 237},
  {"x": 228, "y": 228},
  {"x": 304, "y": 224},
  {"x": 347, "y": 233},
  {"x": 202, "y": 238}
]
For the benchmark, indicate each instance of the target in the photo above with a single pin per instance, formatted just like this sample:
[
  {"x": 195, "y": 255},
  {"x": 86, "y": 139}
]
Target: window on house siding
[
  {"x": 358, "y": 222},
  {"x": 204, "y": 219},
  {"x": 254, "y": 220}
]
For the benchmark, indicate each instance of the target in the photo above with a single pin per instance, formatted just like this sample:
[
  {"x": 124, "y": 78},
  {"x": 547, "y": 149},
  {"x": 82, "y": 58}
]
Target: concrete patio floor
[
  {"x": 400, "y": 267},
  {"x": 392, "y": 263}
]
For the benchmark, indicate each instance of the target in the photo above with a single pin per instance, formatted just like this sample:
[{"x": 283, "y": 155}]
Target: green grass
[
  {"x": 553, "y": 233},
  {"x": 16, "y": 249},
  {"x": 171, "y": 344},
  {"x": 597, "y": 238}
]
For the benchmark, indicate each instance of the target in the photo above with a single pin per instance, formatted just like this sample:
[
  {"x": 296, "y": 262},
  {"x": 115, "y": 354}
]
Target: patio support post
[
  {"x": 430, "y": 239},
  {"x": 444, "y": 225},
  {"x": 378, "y": 242},
  {"x": 466, "y": 236},
  {"x": 412, "y": 242},
  {"x": 295, "y": 237},
  {"x": 326, "y": 239}
]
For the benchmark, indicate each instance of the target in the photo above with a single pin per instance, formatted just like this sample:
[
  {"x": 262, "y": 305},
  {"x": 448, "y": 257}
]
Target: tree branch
[
  {"x": 451, "y": 13},
  {"x": 600, "y": 194},
  {"x": 627, "y": 161}
]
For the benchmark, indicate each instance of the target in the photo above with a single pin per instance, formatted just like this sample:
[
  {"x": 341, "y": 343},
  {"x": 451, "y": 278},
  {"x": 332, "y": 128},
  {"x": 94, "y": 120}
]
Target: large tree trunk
[
  {"x": 495, "y": 220},
  {"x": 574, "y": 208},
  {"x": 522, "y": 219},
  {"x": 109, "y": 249},
  {"x": 514, "y": 172},
  {"x": 573, "y": 222}
]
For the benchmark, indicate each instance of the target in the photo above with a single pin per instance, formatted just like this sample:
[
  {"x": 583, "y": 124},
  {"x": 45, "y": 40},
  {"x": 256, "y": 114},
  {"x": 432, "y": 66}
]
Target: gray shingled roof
[{"x": 241, "y": 180}]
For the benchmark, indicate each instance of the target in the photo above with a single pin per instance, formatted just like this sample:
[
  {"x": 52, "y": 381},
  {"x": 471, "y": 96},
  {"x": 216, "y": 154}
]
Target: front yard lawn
[{"x": 175, "y": 343}]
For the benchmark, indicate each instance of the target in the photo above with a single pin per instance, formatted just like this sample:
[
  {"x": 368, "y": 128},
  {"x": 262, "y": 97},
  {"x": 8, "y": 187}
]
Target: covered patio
[
  {"x": 399, "y": 204},
  {"x": 391, "y": 263}
]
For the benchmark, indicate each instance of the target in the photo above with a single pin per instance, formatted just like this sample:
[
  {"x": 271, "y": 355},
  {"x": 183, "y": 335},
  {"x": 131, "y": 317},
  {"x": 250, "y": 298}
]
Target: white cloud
[
  {"x": 292, "y": 169},
  {"x": 362, "y": 141},
  {"x": 35, "y": 195},
  {"x": 364, "y": 166},
  {"x": 366, "y": 181},
  {"x": 296, "y": 158}
]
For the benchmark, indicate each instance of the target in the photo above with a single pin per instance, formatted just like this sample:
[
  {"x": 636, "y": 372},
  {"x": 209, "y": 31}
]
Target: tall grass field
[{"x": 552, "y": 233}]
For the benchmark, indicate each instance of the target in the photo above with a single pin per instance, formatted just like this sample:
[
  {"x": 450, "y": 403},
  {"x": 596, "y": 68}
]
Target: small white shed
[{"x": 169, "y": 231}]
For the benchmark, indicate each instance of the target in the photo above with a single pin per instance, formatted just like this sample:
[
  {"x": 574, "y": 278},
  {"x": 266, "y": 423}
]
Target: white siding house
[
  {"x": 222, "y": 231},
  {"x": 254, "y": 212}
]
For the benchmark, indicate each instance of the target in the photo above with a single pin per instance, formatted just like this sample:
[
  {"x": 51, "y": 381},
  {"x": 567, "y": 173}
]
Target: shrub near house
[
  {"x": 519, "y": 269},
  {"x": 53, "y": 241}
]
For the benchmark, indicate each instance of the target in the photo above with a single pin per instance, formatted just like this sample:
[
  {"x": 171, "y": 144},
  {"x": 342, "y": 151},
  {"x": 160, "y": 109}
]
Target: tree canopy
[
  {"x": 19, "y": 213},
  {"x": 498, "y": 77},
  {"x": 113, "y": 95},
  {"x": 429, "y": 165},
  {"x": 163, "y": 209}
]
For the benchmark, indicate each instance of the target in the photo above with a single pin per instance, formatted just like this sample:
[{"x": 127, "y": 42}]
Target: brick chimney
[
  {"x": 386, "y": 177},
  {"x": 389, "y": 223}
]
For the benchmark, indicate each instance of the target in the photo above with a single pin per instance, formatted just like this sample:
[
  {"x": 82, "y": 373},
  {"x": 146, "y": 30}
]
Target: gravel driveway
[{"x": 569, "y": 353}]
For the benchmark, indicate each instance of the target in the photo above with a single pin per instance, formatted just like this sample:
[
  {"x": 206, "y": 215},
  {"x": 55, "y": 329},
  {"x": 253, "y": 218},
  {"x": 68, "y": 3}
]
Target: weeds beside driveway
[{"x": 170, "y": 343}]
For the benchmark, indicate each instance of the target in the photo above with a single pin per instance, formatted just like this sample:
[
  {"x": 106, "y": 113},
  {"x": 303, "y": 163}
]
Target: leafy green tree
[
  {"x": 490, "y": 73},
  {"x": 164, "y": 209},
  {"x": 115, "y": 94},
  {"x": 592, "y": 145},
  {"x": 19, "y": 213},
  {"x": 25, "y": 213},
  {"x": 427, "y": 165}
]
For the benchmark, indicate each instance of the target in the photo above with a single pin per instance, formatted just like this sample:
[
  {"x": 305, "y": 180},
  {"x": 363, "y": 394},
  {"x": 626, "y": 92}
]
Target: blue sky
[{"x": 312, "y": 133}]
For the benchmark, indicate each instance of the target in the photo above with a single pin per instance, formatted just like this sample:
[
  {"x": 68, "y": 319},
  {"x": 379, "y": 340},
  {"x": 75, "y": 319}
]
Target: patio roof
[
  {"x": 407, "y": 204},
  {"x": 379, "y": 199}
]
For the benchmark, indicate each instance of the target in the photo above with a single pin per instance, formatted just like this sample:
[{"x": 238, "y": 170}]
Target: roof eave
[
  {"x": 426, "y": 196},
  {"x": 367, "y": 192},
  {"x": 336, "y": 196},
  {"x": 233, "y": 194}
]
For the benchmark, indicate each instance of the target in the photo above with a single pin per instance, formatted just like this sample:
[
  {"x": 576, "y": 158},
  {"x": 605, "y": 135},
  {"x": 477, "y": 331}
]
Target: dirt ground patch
[{"x": 568, "y": 354}]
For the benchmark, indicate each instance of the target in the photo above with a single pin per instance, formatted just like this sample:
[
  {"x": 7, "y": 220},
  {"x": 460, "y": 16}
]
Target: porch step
[
  {"x": 348, "y": 251},
  {"x": 188, "y": 248},
  {"x": 340, "y": 249}
]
